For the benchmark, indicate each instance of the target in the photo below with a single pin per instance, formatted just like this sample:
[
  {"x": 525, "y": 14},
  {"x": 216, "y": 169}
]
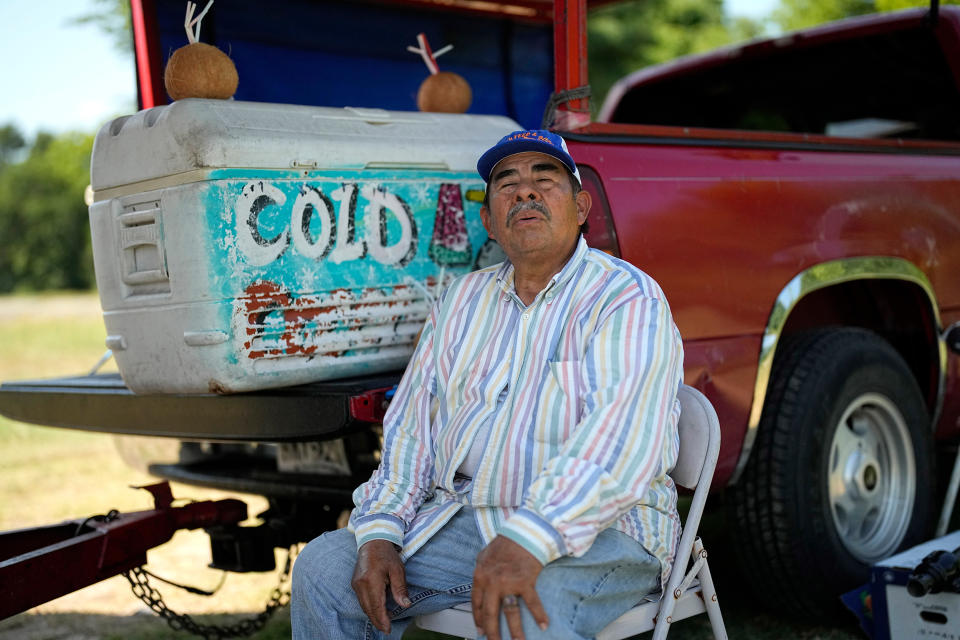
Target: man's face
[{"x": 533, "y": 213}]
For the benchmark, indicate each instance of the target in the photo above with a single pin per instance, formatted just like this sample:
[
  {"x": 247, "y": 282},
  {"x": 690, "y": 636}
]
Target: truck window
[{"x": 895, "y": 84}]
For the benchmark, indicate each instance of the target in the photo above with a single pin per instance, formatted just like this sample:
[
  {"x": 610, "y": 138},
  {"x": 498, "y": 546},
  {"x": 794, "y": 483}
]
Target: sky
[
  {"x": 59, "y": 76},
  {"x": 56, "y": 76}
]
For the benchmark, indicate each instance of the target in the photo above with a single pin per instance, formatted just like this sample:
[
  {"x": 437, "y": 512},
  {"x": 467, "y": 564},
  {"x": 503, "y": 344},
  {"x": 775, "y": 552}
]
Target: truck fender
[{"x": 820, "y": 276}]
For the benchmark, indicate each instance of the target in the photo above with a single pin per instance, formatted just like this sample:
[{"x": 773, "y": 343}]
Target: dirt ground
[{"x": 53, "y": 305}]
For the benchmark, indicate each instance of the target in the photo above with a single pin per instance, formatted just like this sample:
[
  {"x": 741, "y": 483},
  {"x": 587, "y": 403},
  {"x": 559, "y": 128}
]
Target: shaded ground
[{"x": 109, "y": 611}]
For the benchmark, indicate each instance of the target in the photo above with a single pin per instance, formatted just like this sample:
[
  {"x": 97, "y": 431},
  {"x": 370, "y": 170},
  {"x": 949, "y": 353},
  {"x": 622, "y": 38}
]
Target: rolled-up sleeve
[{"x": 388, "y": 502}]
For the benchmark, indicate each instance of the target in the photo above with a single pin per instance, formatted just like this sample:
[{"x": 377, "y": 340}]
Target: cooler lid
[{"x": 196, "y": 135}]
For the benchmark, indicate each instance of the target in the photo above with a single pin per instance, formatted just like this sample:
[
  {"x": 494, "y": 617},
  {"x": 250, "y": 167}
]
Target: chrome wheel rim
[{"x": 872, "y": 481}]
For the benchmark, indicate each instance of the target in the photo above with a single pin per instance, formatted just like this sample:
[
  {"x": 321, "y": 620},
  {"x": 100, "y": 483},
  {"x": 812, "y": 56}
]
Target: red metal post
[
  {"x": 146, "y": 51},
  {"x": 570, "y": 49}
]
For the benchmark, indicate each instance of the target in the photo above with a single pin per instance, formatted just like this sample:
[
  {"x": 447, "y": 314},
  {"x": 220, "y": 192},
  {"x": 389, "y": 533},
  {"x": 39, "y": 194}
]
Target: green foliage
[
  {"x": 800, "y": 14},
  {"x": 895, "y": 5},
  {"x": 44, "y": 232},
  {"x": 11, "y": 142},
  {"x": 628, "y": 36}
]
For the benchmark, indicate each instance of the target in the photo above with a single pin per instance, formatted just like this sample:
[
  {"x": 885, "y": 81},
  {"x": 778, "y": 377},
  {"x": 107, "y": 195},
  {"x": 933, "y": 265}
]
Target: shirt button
[{"x": 526, "y": 316}]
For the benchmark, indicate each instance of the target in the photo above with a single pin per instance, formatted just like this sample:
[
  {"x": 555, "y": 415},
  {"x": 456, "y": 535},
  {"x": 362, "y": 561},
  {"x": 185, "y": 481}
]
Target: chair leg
[
  {"x": 709, "y": 593},
  {"x": 664, "y": 618}
]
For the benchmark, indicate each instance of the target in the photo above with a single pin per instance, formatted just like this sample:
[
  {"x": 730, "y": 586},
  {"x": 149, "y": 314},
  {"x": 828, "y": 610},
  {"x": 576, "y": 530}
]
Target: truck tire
[{"x": 841, "y": 474}]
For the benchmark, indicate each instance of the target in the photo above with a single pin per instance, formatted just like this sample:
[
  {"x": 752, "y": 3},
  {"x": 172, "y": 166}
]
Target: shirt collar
[{"x": 506, "y": 272}]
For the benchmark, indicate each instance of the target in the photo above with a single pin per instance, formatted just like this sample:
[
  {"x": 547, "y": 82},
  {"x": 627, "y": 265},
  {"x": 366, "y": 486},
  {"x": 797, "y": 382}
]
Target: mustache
[{"x": 534, "y": 205}]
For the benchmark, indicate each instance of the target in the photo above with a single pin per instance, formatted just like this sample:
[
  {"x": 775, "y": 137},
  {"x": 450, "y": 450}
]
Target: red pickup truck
[{"x": 798, "y": 198}]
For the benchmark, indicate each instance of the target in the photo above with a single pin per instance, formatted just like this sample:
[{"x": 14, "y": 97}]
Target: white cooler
[{"x": 241, "y": 246}]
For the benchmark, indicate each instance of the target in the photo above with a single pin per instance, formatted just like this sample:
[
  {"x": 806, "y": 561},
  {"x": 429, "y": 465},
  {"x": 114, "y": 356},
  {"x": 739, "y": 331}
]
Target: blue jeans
[{"x": 581, "y": 595}]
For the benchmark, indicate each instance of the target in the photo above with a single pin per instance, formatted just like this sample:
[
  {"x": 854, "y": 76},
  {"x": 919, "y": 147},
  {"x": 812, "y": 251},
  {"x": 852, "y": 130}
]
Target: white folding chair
[{"x": 689, "y": 592}]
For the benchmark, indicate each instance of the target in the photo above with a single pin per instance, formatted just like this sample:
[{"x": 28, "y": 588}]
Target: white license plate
[{"x": 328, "y": 457}]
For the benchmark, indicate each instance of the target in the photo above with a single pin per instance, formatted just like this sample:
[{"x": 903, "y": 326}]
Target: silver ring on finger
[{"x": 510, "y": 602}]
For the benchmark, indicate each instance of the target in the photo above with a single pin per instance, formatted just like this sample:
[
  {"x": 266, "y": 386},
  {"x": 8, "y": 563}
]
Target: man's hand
[
  {"x": 505, "y": 570},
  {"x": 379, "y": 566}
]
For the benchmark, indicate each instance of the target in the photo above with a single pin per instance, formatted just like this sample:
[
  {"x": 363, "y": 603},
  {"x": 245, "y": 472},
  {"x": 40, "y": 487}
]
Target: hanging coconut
[
  {"x": 442, "y": 91},
  {"x": 446, "y": 92},
  {"x": 199, "y": 70}
]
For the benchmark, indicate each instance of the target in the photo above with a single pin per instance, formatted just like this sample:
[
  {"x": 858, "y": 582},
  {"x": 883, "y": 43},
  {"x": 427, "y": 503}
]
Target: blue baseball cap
[{"x": 539, "y": 140}]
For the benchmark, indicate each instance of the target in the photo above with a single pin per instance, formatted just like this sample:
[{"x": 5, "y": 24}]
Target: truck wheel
[{"x": 841, "y": 471}]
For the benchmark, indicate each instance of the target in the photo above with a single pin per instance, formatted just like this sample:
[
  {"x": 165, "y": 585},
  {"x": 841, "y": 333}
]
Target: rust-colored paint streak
[
  {"x": 261, "y": 299},
  {"x": 307, "y": 318},
  {"x": 303, "y": 315}
]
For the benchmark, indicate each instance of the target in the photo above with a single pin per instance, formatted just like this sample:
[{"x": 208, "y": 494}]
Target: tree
[
  {"x": 44, "y": 229},
  {"x": 629, "y": 36},
  {"x": 799, "y": 14},
  {"x": 44, "y": 232},
  {"x": 894, "y": 5},
  {"x": 11, "y": 142}
]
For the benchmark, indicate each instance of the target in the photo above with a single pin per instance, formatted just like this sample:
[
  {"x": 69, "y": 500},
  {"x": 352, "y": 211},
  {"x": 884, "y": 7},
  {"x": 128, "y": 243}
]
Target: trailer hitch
[{"x": 39, "y": 564}]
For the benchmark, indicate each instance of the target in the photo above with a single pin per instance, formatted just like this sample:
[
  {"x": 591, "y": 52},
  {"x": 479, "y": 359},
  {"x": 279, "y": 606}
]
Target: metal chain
[{"x": 140, "y": 584}]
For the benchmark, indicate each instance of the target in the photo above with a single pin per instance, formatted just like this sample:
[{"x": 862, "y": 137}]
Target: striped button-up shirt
[{"x": 582, "y": 438}]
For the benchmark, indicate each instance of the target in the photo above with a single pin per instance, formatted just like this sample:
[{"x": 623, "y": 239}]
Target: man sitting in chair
[{"x": 526, "y": 450}]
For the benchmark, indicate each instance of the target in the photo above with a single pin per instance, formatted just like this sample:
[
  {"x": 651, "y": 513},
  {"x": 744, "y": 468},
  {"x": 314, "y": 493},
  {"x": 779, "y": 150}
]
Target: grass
[{"x": 51, "y": 474}]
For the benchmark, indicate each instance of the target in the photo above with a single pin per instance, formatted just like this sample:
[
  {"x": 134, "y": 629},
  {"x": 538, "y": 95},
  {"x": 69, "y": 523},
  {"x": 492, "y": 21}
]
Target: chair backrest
[
  {"x": 699, "y": 449},
  {"x": 699, "y": 429},
  {"x": 697, "y": 419}
]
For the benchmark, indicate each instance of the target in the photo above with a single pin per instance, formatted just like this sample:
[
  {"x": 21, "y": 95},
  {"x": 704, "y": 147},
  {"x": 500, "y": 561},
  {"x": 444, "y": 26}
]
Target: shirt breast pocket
[
  {"x": 455, "y": 373},
  {"x": 561, "y": 401}
]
